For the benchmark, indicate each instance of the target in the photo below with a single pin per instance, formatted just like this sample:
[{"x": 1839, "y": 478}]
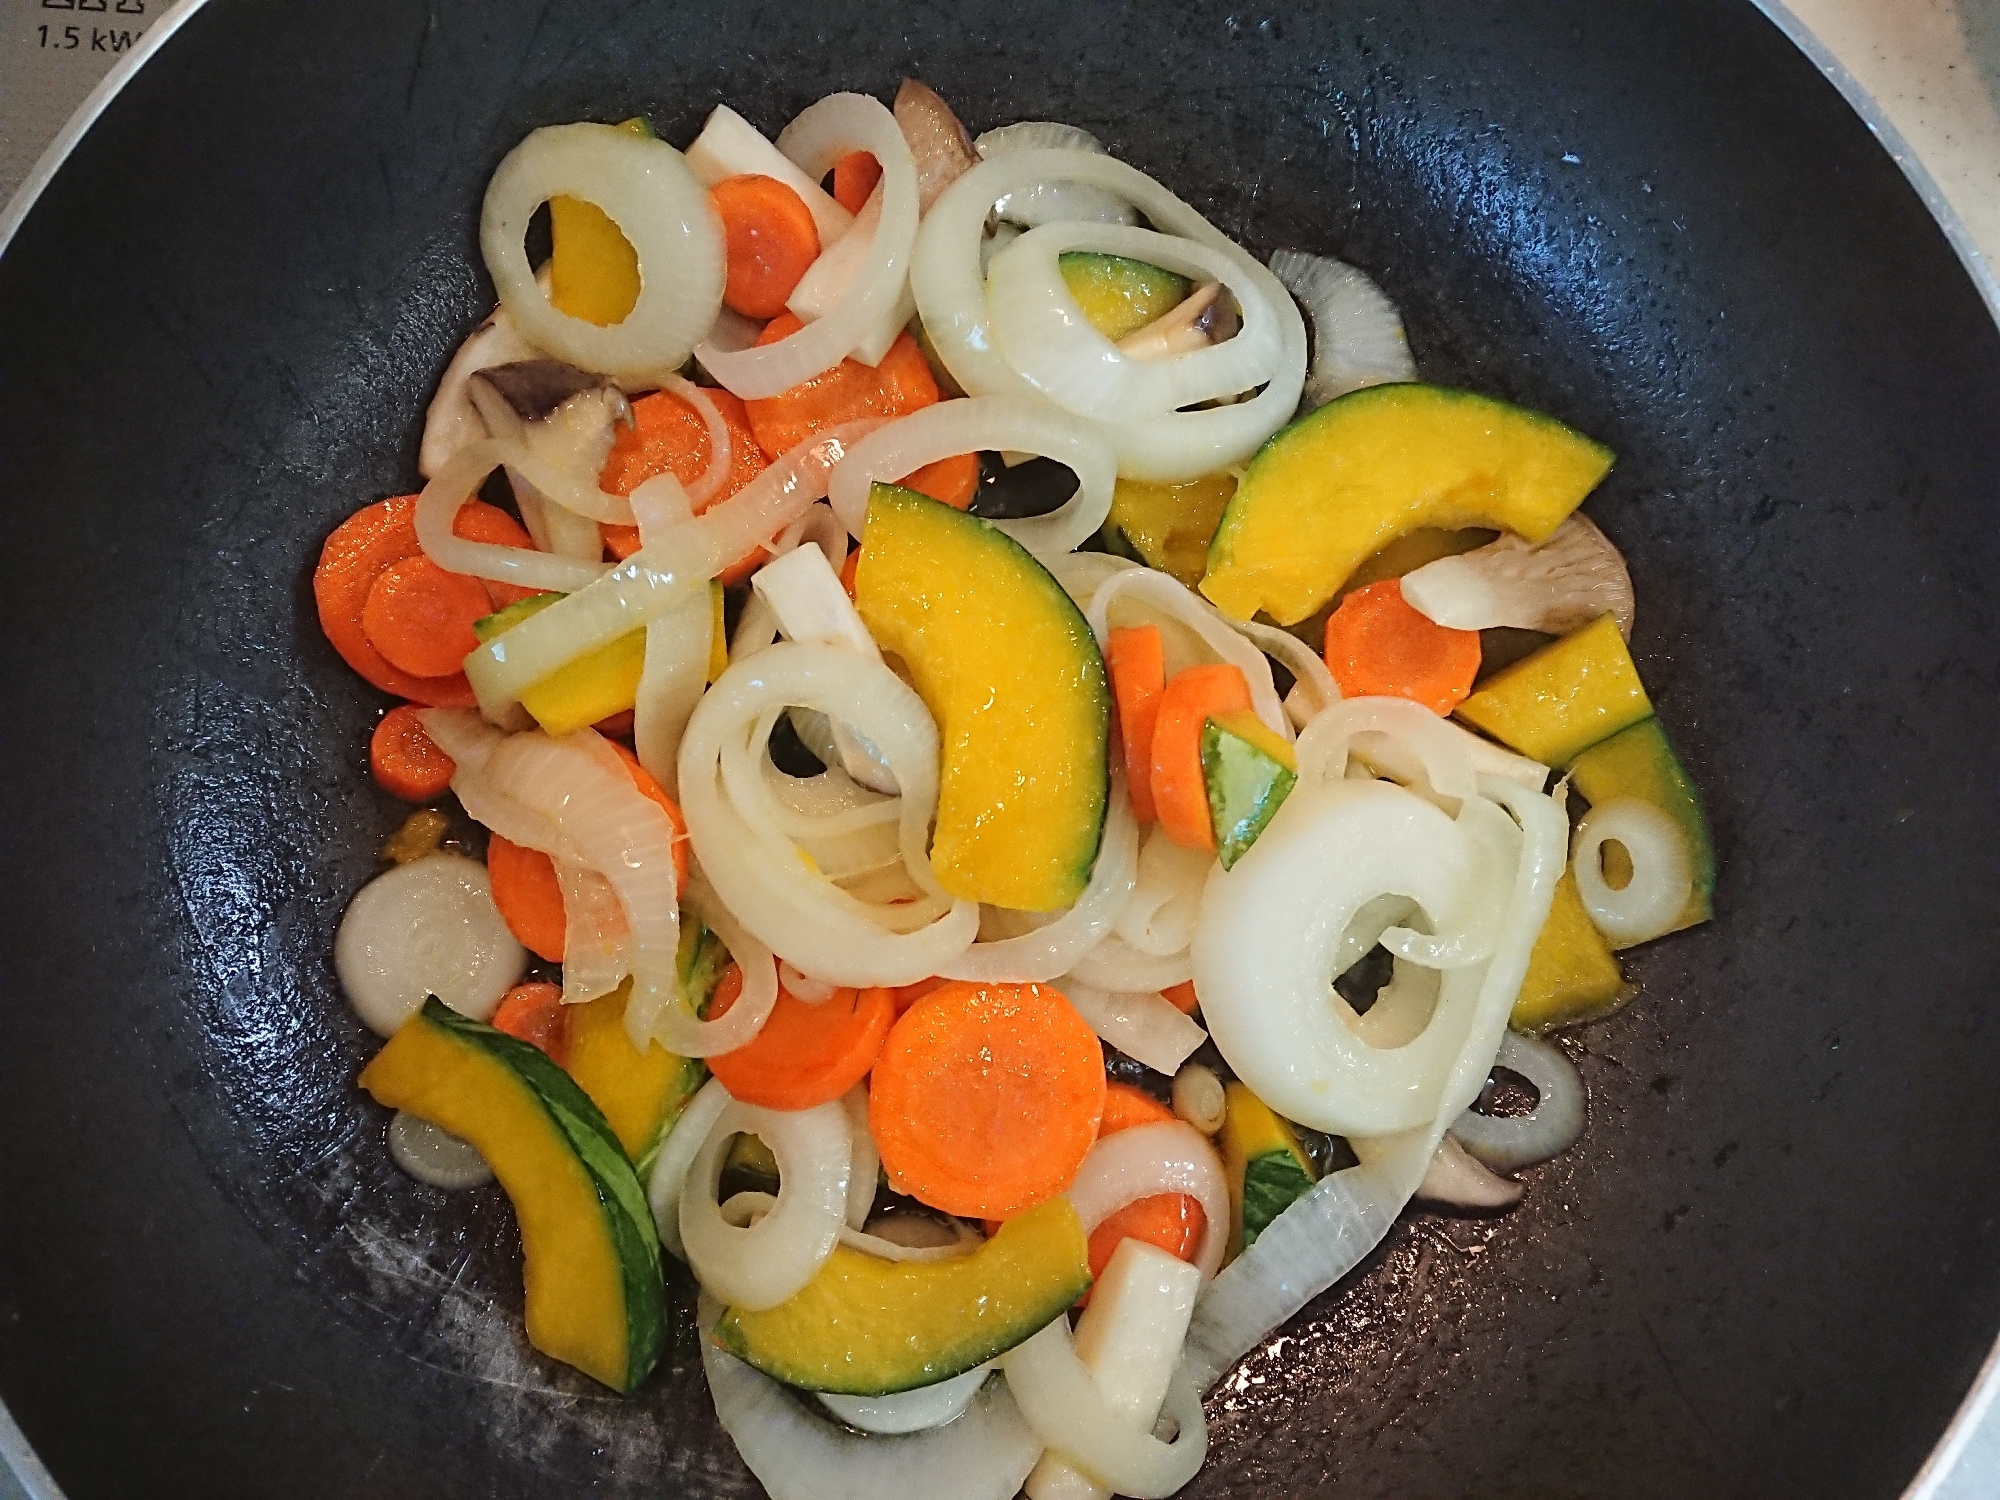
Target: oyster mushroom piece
[
  {"x": 1554, "y": 587},
  {"x": 1206, "y": 316},
  {"x": 1456, "y": 1179},
  {"x": 1357, "y": 333},
  {"x": 939, "y": 142}
]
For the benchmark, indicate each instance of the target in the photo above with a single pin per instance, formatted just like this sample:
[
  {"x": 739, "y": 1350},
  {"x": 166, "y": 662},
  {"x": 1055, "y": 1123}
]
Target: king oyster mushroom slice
[
  {"x": 1554, "y": 587},
  {"x": 1206, "y": 316},
  {"x": 1357, "y": 333},
  {"x": 560, "y": 414},
  {"x": 452, "y": 422},
  {"x": 939, "y": 142},
  {"x": 1456, "y": 1179}
]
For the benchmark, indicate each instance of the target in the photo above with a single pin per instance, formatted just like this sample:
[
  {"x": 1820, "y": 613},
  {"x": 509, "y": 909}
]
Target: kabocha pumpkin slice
[
  {"x": 595, "y": 1298},
  {"x": 1267, "y": 1168},
  {"x": 1564, "y": 698},
  {"x": 1572, "y": 973},
  {"x": 1006, "y": 664}
]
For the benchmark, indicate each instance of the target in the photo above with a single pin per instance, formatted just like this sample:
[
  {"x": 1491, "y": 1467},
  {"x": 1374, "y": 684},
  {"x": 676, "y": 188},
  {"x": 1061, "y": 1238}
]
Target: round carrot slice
[
  {"x": 950, "y": 481},
  {"x": 668, "y": 436},
  {"x": 420, "y": 617},
  {"x": 901, "y": 384},
  {"x": 805, "y": 1055},
  {"x": 534, "y": 1013},
  {"x": 1171, "y": 1221},
  {"x": 987, "y": 1097},
  {"x": 405, "y": 760},
  {"x": 530, "y": 900},
  {"x": 854, "y": 178},
  {"x": 1379, "y": 646},
  {"x": 769, "y": 239}
]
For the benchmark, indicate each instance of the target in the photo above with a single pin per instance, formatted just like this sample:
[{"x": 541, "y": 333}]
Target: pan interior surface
[{"x": 1768, "y": 1269}]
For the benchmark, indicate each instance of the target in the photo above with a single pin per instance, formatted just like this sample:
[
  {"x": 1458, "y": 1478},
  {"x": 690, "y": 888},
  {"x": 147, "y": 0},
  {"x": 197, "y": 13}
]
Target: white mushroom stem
[
  {"x": 1555, "y": 587},
  {"x": 1202, "y": 318}
]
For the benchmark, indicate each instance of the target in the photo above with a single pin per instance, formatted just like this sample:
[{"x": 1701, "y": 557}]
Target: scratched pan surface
[{"x": 1770, "y": 1269}]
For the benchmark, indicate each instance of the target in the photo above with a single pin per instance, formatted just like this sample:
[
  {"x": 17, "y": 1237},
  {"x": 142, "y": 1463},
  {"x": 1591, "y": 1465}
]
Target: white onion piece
[
  {"x": 596, "y": 936},
  {"x": 671, "y": 683},
  {"x": 827, "y": 805},
  {"x": 1143, "y": 1024},
  {"x": 1170, "y": 1156},
  {"x": 676, "y": 1153},
  {"x": 1458, "y": 1180},
  {"x": 1049, "y": 342},
  {"x": 452, "y": 422},
  {"x": 804, "y": 591},
  {"x": 1439, "y": 748},
  {"x": 644, "y": 186},
  {"x": 926, "y": 1407},
  {"x": 1199, "y": 1098},
  {"x": 730, "y": 146},
  {"x": 425, "y": 928},
  {"x": 1047, "y": 202},
  {"x": 800, "y": 914},
  {"x": 759, "y": 1267},
  {"x": 951, "y": 297},
  {"x": 434, "y": 1156},
  {"x": 1313, "y": 690},
  {"x": 1358, "y": 337},
  {"x": 438, "y": 507},
  {"x": 866, "y": 1166},
  {"x": 1493, "y": 840},
  {"x": 1081, "y": 573},
  {"x": 818, "y": 527},
  {"x": 984, "y": 1455},
  {"x": 1326, "y": 1233},
  {"x": 899, "y": 448},
  {"x": 1509, "y": 1142},
  {"x": 1142, "y": 594},
  {"x": 833, "y": 274},
  {"x": 1159, "y": 916},
  {"x": 757, "y": 964},
  {"x": 803, "y": 987},
  {"x": 1048, "y": 950},
  {"x": 1116, "y": 965},
  {"x": 1651, "y": 903},
  {"x": 656, "y": 579},
  {"x": 820, "y": 136},
  {"x": 1062, "y": 1403}
]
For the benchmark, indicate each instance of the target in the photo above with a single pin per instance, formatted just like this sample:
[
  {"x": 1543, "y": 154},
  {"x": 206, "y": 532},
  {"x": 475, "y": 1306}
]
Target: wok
[{"x": 1769, "y": 1268}]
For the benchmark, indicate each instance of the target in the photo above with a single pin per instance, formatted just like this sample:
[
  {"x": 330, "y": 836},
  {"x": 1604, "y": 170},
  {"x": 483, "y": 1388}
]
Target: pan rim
[{"x": 1981, "y": 1404}]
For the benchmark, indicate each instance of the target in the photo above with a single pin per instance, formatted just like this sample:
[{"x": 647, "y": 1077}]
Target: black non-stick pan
[{"x": 1772, "y": 1266}]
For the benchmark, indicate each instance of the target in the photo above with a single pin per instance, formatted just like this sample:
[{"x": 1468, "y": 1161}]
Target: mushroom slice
[
  {"x": 1357, "y": 333},
  {"x": 1206, "y": 316},
  {"x": 938, "y": 140},
  {"x": 452, "y": 422},
  {"x": 1456, "y": 1179},
  {"x": 557, "y": 413},
  {"x": 1554, "y": 587}
]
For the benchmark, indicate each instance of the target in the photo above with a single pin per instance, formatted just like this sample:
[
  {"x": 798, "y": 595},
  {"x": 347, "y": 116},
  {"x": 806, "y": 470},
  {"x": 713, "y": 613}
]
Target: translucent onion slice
[
  {"x": 756, "y": 869},
  {"x": 1142, "y": 1024},
  {"x": 1313, "y": 688},
  {"x": 1047, "y": 951},
  {"x": 675, "y": 670},
  {"x": 1509, "y": 1142},
  {"x": 1651, "y": 903},
  {"x": 926, "y": 1407},
  {"x": 596, "y": 937},
  {"x": 1358, "y": 337},
  {"x": 758, "y": 965},
  {"x": 1082, "y": 573},
  {"x": 1437, "y": 747},
  {"x": 796, "y": 1455},
  {"x": 1168, "y": 1157},
  {"x": 435, "y": 1156},
  {"x": 1047, "y": 202},
  {"x": 819, "y": 137},
  {"x": 951, "y": 297},
  {"x": 716, "y": 474},
  {"x": 646, "y": 189},
  {"x": 1142, "y": 594},
  {"x": 763, "y": 1265},
  {"x": 677, "y": 1152},
  {"x": 438, "y": 507},
  {"x": 1159, "y": 916},
  {"x": 425, "y": 928},
  {"x": 1116, "y": 965},
  {"x": 1052, "y": 345},
  {"x": 981, "y": 424},
  {"x": 867, "y": 1163},
  {"x": 1062, "y": 1404},
  {"x": 1456, "y": 1179}
]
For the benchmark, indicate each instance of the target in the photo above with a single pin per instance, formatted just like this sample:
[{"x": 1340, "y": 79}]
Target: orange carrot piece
[
  {"x": 986, "y": 1098},
  {"x": 668, "y": 436},
  {"x": 529, "y": 899},
  {"x": 1137, "y": 661},
  {"x": 377, "y": 537},
  {"x": 534, "y": 1013},
  {"x": 909, "y": 994},
  {"x": 805, "y": 1055},
  {"x": 1182, "y": 997},
  {"x": 950, "y": 481},
  {"x": 420, "y": 617},
  {"x": 770, "y": 241},
  {"x": 405, "y": 760},
  {"x": 1193, "y": 696},
  {"x": 854, "y": 178},
  {"x": 901, "y": 384},
  {"x": 849, "y": 569},
  {"x": 1379, "y": 646}
]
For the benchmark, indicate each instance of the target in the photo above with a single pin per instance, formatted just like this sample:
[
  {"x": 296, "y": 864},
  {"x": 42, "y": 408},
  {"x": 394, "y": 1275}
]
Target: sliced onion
[
  {"x": 1051, "y": 345},
  {"x": 1116, "y": 965},
  {"x": 819, "y": 137},
  {"x": 596, "y": 937},
  {"x": 920, "y": 1410},
  {"x": 1472, "y": 936},
  {"x": 712, "y": 479},
  {"x": 425, "y": 928},
  {"x": 866, "y": 1167},
  {"x": 1143, "y": 594},
  {"x": 1146, "y": 1160},
  {"x": 1358, "y": 337},
  {"x": 1509, "y": 1142},
  {"x": 1159, "y": 916},
  {"x": 670, "y": 685},
  {"x": 1458, "y": 1180},
  {"x": 644, "y": 186},
  {"x": 1047, "y": 951},
  {"x": 434, "y": 1156},
  {"x": 796, "y": 1455},
  {"x": 684, "y": 1140},
  {"x": 1082, "y": 573},
  {"x": 739, "y": 1025},
  {"x": 1062, "y": 1403},
  {"x": 1199, "y": 1098},
  {"x": 1048, "y": 202},
  {"x": 979, "y": 424},
  {"x": 451, "y": 422},
  {"x": 1650, "y": 905},
  {"x": 763, "y": 1265},
  {"x": 438, "y": 507},
  {"x": 1442, "y": 765},
  {"x": 1143, "y": 1024},
  {"x": 1313, "y": 688}
]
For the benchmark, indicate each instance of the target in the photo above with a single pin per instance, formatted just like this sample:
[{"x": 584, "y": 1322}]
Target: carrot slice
[
  {"x": 805, "y": 1055},
  {"x": 534, "y": 1013},
  {"x": 529, "y": 899},
  {"x": 849, "y": 569},
  {"x": 420, "y": 617},
  {"x": 909, "y": 994},
  {"x": 668, "y": 436},
  {"x": 1137, "y": 661},
  {"x": 1171, "y": 1221},
  {"x": 986, "y": 1098},
  {"x": 377, "y": 537},
  {"x": 1193, "y": 696},
  {"x": 1126, "y": 1105},
  {"x": 1182, "y": 997},
  {"x": 405, "y": 760},
  {"x": 901, "y": 384},
  {"x": 854, "y": 178},
  {"x": 770, "y": 241},
  {"x": 1378, "y": 645},
  {"x": 950, "y": 481}
]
